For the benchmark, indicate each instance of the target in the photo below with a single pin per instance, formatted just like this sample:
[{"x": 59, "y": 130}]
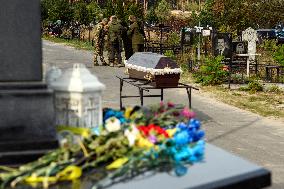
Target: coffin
[{"x": 159, "y": 70}]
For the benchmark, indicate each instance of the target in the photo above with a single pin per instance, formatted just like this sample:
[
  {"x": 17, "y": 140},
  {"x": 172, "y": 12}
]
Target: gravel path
[{"x": 246, "y": 134}]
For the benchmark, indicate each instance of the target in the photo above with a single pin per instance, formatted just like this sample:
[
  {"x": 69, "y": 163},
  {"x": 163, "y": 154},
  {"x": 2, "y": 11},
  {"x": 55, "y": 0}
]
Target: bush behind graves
[
  {"x": 278, "y": 55},
  {"x": 253, "y": 86},
  {"x": 274, "y": 89},
  {"x": 212, "y": 72},
  {"x": 173, "y": 39}
]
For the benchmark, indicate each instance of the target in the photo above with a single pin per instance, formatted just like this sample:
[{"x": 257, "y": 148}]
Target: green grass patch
[
  {"x": 267, "y": 103},
  {"x": 77, "y": 44},
  {"x": 263, "y": 103}
]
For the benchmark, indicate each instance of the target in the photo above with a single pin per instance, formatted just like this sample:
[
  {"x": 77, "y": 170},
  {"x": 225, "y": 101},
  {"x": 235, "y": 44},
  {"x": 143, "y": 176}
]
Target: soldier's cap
[{"x": 132, "y": 18}]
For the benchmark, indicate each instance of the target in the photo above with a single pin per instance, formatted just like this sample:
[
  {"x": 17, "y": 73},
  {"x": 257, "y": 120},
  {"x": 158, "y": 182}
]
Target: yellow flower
[
  {"x": 84, "y": 132},
  {"x": 117, "y": 163},
  {"x": 127, "y": 112},
  {"x": 143, "y": 142},
  {"x": 171, "y": 132},
  {"x": 70, "y": 173}
]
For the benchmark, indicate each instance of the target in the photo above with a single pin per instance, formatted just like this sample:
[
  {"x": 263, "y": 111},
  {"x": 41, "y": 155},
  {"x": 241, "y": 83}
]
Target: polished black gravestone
[
  {"x": 219, "y": 170},
  {"x": 27, "y": 124}
]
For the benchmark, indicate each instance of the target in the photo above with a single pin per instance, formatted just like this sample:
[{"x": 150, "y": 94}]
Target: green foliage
[
  {"x": 192, "y": 6},
  {"x": 239, "y": 78},
  {"x": 173, "y": 39},
  {"x": 136, "y": 10},
  {"x": 81, "y": 13},
  {"x": 109, "y": 10},
  {"x": 95, "y": 13},
  {"x": 170, "y": 54},
  {"x": 151, "y": 16},
  {"x": 269, "y": 45},
  {"x": 253, "y": 86},
  {"x": 235, "y": 16},
  {"x": 163, "y": 11},
  {"x": 274, "y": 89},
  {"x": 212, "y": 72},
  {"x": 57, "y": 10},
  {"x": 278, "y": 55},
  {"x": 86, "y": 12}
]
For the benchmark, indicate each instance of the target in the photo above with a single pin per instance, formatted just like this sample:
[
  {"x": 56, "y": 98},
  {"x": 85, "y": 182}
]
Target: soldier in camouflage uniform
[
  {"x": 136, "y": 33},
  {"x": 99, "y": 42},
  {"x": 115, "y": 30}
]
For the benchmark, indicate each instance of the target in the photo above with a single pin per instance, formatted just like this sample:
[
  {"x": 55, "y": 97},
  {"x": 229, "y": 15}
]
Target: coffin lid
[
  {"x": 77, "y": 79},
  {"x": 153, "y": 63}
]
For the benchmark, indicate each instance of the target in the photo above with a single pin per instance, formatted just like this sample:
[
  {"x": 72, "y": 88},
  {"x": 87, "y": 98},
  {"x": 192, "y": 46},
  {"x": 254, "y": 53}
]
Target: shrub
[
  {"x": 173, "y": 39},
  {"x": 278, "y": 55},
  {"x": 212, "y": 72},
  {"x": 170, "y": 54},
  {"x": 253, "y": 86},
  {"x": 274, "y": 89},
  {"x": 163, "y": 11}
]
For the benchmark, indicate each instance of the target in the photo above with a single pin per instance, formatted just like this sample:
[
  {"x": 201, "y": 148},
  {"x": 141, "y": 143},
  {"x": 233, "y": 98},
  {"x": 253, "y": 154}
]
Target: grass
[
  {"x": 77, "y": 44},
  {"x": 268, "y": 104}
]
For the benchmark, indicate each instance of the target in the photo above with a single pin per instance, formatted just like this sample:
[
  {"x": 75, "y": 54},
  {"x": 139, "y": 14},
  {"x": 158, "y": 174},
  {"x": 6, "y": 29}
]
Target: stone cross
[
  {"x": 250, "y": 35},
  {"x": 27, "y": 122}
]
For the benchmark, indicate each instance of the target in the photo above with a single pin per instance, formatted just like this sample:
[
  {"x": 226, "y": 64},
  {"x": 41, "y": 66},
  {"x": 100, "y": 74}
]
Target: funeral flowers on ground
[{"x": 164, "y": 137}]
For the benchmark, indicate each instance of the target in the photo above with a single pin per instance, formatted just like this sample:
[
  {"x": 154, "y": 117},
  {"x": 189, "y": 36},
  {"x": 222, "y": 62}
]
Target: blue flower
[
  {"x": 180, "y": 170},
  {"x": 181, "y": 138},
  {"x": 117, "y": 114},
  {"x": 96, "y": 131},
  {"x": 198, "y": 135},
  {"x": 109, "y": 113},
  {"x": 181, "y": 126},
  {"x": 195, "y": 124}
]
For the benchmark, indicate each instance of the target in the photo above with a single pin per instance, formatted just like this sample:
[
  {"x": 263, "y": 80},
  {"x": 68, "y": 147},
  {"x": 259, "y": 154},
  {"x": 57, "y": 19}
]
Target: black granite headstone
[
  {"x": 20, "y": 41},
  {"x": 222, "y": 44},
  {"x": 27, "y": 121}
]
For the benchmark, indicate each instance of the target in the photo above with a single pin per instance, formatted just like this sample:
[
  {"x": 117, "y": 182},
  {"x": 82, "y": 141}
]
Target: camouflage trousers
[
  {"x": 99, "y": 52},
  {"x": 115, "y": 49}
]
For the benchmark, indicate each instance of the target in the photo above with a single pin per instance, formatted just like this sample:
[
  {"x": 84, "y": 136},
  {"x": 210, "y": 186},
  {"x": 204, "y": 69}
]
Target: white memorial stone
[
  {"x": 52, "y": 74},
  {"x": 78, "y": 96},
  {"x": 250, "y": 35}
]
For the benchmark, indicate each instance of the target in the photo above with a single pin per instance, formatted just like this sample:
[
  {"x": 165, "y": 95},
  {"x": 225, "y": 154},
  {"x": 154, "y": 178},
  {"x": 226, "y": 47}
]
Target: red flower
[
  {"x": 153, "y": 129},
  {"x": 171, "y": 105}
]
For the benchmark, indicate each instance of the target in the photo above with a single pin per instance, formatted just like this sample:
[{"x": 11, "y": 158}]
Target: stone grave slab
[
  {"x": 20, "y": 41},
  {"x": 27, "y": 121}
]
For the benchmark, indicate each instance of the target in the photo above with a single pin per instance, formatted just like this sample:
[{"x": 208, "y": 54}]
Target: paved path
[{"x": 251, "y": 136}]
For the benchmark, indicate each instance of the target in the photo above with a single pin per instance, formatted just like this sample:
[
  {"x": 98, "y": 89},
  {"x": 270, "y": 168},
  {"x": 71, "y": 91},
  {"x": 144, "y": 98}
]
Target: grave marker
[
  {"x": 250, "y": 35},
  {"x": 27, "y": 124}
]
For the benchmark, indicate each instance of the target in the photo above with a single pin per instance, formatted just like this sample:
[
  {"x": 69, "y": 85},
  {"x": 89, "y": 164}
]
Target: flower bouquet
[{"x": 164, "y": 137}]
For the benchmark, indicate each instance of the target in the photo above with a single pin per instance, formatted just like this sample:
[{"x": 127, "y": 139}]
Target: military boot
[{"x": 96, "y": 61}]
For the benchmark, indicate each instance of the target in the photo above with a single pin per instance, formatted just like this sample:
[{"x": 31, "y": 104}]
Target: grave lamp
[{"x": 78, "y": 98}]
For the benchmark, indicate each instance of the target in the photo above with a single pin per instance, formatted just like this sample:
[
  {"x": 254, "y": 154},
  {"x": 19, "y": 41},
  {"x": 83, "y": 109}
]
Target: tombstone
[
  {"x": 186, "y": 36},
  {"x": 222, "y": 44},
  {"x": 250, "y": 35},
  {"x": 239, "y": 47},
  {"x": 27, "y": 124}
]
